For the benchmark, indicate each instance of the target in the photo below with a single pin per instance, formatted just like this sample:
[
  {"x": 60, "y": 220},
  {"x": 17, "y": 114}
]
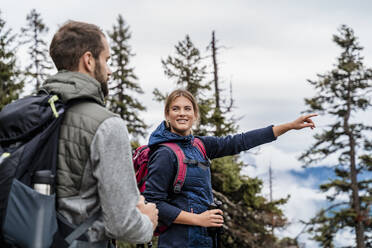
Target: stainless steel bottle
[{"x": 42, "y": 182}]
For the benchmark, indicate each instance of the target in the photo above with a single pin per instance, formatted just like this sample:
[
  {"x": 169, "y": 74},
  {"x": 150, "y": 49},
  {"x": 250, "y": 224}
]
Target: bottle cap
[{"x": 43, "y": 177}]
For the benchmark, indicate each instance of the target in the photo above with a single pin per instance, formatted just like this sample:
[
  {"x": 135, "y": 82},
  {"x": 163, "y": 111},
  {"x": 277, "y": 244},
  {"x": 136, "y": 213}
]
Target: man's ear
[{"x": 87, "y": 63}]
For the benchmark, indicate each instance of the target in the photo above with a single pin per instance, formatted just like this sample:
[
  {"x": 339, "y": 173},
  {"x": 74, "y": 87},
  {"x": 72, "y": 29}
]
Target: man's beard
[{"x": 101, "y": 78}]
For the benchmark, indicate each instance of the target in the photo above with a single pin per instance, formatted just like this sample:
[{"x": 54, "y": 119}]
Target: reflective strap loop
[
  {"x": 51, "y": 102},
  {"x": 3, "y": 156}
]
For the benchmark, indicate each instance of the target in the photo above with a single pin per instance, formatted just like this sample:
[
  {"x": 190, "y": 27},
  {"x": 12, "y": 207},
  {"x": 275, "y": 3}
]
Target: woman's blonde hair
[{"x": 181, "y": 92}]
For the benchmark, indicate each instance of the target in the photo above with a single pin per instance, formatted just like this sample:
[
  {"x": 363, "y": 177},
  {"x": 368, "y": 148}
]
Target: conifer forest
[{"x": 253, "y": 219}]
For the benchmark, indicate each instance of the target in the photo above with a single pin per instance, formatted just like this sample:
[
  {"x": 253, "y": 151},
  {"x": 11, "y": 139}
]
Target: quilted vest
[{"x": 78, "y": 128}]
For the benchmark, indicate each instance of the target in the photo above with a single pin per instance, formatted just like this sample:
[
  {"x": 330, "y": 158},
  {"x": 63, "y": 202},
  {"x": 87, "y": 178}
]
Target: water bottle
[{"x": 42, "y": 182}]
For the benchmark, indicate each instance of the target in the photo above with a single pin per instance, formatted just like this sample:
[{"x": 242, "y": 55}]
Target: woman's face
[{"x": 181, "y": 116}]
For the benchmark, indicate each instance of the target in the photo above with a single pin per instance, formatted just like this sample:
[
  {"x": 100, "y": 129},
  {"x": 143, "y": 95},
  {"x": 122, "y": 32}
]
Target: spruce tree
[
  {"x": 342, "y": 94},
  {"x": 40, "y": 65},
  {"x": 123, "y": 81},
  {"x": 11, "y": 84},
  {"x": 188, "y": 71}
]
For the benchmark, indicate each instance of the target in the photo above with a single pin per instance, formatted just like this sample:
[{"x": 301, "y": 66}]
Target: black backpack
[{"x": 29, "y": 132}]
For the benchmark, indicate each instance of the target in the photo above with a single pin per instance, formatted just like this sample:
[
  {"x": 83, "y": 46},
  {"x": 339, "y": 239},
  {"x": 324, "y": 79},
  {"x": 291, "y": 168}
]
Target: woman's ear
[{"x": 167, "y": 121}]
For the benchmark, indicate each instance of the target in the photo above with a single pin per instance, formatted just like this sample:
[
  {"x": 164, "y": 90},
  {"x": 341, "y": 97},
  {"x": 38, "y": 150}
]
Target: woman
[{"x": 186, "y": 214}]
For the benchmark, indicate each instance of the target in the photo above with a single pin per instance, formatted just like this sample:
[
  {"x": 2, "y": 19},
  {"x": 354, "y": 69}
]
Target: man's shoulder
[
  {"x": 87, "y": 114},
  {"x": 91, "y": 109}
]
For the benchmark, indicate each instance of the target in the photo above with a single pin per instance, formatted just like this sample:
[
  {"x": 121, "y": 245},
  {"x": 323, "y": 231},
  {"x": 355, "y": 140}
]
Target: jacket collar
[
  {"x": 75, "y": 85},
  {"x": 162, "y": 135}
]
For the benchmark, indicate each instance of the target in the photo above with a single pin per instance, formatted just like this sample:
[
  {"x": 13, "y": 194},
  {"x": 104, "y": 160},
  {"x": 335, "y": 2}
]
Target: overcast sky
[{"x": 272, "y": 48}]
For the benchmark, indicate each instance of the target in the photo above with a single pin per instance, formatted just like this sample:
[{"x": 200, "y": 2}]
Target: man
[{"x": 95, "y": 171}]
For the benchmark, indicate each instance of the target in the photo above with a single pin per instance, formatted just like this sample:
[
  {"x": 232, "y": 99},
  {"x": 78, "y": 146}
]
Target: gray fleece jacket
[
  {"x": 95, "y": 170},
  {"x": 111, "y": 164}
]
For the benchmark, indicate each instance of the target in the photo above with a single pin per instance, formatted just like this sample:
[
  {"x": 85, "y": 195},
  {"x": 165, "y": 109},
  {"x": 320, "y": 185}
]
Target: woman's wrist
[
  {"x": 196, "y": 219},
  {"x": 188, "y": 218},
  {"x": 281, "y": 129},
  {"x": 290, "y": 125}
]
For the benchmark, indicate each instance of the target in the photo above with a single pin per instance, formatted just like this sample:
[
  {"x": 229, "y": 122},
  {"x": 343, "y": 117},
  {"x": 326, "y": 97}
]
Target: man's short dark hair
[{"x": 72, "y": 40}]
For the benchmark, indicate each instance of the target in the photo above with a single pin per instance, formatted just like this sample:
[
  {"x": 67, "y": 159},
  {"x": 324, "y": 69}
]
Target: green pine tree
[
  {"x": 11, "y": 84},
  {"x": 341, "y": 94},
  {"x": 40, "y": 65},
  {"x": 187, "y": 69},
  {"x": 123, "y": 82}
]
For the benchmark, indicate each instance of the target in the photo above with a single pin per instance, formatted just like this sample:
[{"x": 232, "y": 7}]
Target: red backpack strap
[
  {"x": 200, "y": 145},
  {"x": 181, "y": 168}
]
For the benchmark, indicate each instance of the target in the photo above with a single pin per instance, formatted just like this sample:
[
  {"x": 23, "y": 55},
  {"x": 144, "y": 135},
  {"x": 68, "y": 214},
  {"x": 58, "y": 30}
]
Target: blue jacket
[{"x": 196, "y": 194}]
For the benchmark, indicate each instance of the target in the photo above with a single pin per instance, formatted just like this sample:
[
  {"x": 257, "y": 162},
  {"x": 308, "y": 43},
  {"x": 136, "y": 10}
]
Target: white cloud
[
  {"x": 270, "y": 155},
  {"x": 345, "y": 238}
]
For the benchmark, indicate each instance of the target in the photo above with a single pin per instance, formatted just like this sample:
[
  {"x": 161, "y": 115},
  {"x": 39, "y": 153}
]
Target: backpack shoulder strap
[
  {"x": 181, "y": 168},
  {"x": 200, "y": 145}
]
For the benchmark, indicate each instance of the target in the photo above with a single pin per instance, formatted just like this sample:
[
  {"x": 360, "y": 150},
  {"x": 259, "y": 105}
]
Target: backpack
[
  {"x": 29, "y": 133},
  {"x": 140, "y": 162}
]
